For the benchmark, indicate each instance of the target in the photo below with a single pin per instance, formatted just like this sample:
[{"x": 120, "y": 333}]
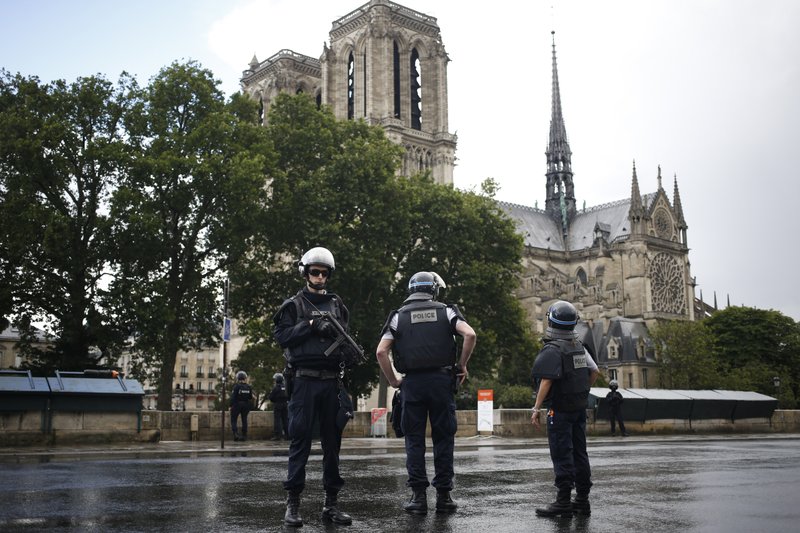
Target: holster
[{"x": 288, "y": 377}]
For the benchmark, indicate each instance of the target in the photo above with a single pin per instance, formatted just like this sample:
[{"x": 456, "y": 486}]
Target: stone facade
[
  {"x": 386, "y": 64},
  {"x": 623, "y": 264}
]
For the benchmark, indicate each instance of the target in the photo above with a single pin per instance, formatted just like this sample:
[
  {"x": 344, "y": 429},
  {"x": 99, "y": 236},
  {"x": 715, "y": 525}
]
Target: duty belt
[
  {"x": 316, "y": 374},
  {"x": 443, "y": 369}
]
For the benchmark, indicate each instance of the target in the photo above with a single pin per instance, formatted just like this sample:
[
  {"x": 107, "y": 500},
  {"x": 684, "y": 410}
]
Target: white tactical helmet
[{"x": 317, "y": 256}]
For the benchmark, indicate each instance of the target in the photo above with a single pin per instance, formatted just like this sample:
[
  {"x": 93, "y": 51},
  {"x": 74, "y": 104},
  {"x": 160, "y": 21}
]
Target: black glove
[{"x": 323, "y": 328}]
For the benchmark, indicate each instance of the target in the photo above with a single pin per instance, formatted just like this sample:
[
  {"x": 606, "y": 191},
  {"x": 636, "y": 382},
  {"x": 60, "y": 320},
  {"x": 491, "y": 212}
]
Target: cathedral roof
[{"x": 539, "y": 230}]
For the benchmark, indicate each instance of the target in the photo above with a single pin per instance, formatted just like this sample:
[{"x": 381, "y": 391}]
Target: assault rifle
[{"x": 342, "y": 338}]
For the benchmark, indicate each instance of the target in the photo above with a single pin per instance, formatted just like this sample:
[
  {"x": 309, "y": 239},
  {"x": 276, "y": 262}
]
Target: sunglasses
[{"x": 317, "y": 272}]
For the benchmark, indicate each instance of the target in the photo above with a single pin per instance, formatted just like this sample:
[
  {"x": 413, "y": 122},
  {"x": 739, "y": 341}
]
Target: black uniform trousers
[
  {"x": 280, "y": 417},
  {"x": 566, "y": 434},
  {"x": 312, "y": 399},
  {"x": 615, "y": 415},
  {"x": 239, "y": 409},
  {"x": 429, "y": 394}
]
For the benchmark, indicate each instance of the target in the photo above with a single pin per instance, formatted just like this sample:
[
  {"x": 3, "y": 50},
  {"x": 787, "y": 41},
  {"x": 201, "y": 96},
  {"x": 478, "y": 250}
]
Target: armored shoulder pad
[
  {"x": 548, "y": 364},
  {"x": 385, "y": 327},
  {"x": 457, "y": 311},
  {"x": 286, "y": 303}
]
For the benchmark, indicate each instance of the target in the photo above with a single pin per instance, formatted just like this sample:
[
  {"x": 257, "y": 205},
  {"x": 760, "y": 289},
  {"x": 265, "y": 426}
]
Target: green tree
[
  {"x": 684, "y": 351},
  {"x": 186, "y": 211},
  {"x": 756, "y": 345},
  {"x": 63, "y": 149},
  {"x": 335, "y": 185}
]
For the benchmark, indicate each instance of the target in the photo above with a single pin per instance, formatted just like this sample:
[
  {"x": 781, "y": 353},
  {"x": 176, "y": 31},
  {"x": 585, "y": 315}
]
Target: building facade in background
[
  {"x": 624, "y": 264},
  {"x": 386, "y": 64}
]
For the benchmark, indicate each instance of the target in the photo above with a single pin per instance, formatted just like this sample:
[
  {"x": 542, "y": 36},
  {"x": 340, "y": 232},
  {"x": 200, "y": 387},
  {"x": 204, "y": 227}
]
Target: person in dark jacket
[
  {"x": 421, "y": 337},
  {"x": 315, "y": 373},
  {"x": 280, "y": 401},
  {"x": 241, "y": 403},
  {"x": 615, "y": 399},
  {"x": 563, "y": 373}
]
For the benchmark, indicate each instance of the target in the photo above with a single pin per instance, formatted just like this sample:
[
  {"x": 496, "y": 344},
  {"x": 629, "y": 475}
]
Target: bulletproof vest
[
  {"x": 245, "y": 393},
  {"x": 311, "y": 352},
  {"x": 424, "y": 337},
  {"x": 571, "y": 392}
]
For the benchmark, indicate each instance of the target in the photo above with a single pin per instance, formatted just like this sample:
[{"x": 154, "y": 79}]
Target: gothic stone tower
[
  {"x": 385, "y": 64},
  {"x": 624, "y": 264}
]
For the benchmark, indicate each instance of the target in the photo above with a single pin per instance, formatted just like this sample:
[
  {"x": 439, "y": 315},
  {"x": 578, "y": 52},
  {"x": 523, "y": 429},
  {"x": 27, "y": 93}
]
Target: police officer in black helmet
[
  {"x": 280, "y": 411},
  {"x": 420, "y": 336},
  {"x": 241, "y": 403},
  {"x": 563, "y": 372},
  {"x": 314, "y": 390}
]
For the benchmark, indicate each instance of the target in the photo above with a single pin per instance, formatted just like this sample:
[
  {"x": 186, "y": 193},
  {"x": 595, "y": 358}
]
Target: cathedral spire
[
  {"x": 636, "y": 212},
  {"x": 560, "y": 197},
  {"x": 636, "y": 196},
  {"x": 676, "y": 202}
]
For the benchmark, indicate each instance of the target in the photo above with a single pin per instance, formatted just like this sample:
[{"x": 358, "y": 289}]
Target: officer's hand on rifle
[{"x": 323, "y": 328}]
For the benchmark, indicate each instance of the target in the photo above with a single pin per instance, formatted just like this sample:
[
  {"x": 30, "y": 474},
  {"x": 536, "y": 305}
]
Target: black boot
[
  {"x": 418, "y": 504},
  {"x": 331, "y": 511},
  {"x": 292, "y": 516},
  {"x": 580, "y": 505},
  {"x": 561, "y": 507},
  {"x": 236, "y": 437},
  {"x": 444, "y": 503}
]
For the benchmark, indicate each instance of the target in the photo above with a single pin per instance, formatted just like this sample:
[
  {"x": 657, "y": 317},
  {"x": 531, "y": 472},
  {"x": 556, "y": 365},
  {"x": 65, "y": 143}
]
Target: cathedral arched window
[
  {"x": 416, "y": 91},
  {"x": 396, "y": 67},
  {"x": 581, "y": 276},
  {"x": 351, "y": 86}
]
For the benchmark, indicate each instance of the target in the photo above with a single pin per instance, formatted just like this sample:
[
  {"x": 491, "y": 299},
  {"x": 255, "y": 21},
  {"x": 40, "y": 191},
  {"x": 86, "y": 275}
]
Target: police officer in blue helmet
[
  {"x": 421, "y": 336},
  {"x": 563, "y": 373}
]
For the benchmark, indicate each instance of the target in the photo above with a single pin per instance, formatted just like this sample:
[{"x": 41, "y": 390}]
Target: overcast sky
[{"x": 708, "y": 89}]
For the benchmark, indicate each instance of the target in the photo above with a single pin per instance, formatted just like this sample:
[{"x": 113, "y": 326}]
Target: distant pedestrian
[
  {"x": 241, "y": 404},
  {"x": 280, "y": 410},
  {"x": 563, "y": 373},
  {"x": 615, "y": 399}
]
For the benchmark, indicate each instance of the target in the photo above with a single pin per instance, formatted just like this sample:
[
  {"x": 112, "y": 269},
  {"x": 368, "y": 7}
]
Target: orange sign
[{"x": 485, "y": 395}]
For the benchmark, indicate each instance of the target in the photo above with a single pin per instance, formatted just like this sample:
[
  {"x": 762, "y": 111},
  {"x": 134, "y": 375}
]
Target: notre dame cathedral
[{"x": 624, "y": 264}]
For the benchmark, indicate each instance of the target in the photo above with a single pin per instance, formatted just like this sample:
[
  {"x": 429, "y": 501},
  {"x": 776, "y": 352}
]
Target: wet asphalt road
[{"x": 655, "y": 484}]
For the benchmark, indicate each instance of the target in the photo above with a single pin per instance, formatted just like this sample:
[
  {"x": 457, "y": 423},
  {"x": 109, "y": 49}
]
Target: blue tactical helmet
[{"x": 561, "y": 319}]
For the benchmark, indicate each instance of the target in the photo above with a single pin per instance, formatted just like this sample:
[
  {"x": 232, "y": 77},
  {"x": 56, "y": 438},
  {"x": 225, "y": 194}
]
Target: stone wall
[{"x": 66, "y": 428}]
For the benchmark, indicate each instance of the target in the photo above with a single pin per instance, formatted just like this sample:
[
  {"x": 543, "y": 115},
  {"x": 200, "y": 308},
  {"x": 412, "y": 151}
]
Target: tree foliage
[
  {"x": 62, "y": 152},
  {"x": 684, "y": 351},
  {"x": 335, "y": 185},
  {"x": 756, "y": 345},
  {"x": 185, "y": 212}
]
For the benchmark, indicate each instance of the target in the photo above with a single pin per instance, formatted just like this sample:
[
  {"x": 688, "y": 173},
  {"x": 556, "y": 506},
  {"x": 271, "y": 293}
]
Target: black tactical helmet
[
  {"x": 278, "y": 377},
  {"x": 613, "y": 385},
  {"x": 241, "y": 375},
  {"x": 425, "y": 285},
  {"x": 561, "y": 319}
]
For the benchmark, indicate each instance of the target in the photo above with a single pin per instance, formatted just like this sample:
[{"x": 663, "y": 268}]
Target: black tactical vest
[
  {"x": 311, "y": 353},
  {"x": 244, "y": 393},
  {"x": 571, "y": 392},
  {"x": 424, "y": 337}
]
